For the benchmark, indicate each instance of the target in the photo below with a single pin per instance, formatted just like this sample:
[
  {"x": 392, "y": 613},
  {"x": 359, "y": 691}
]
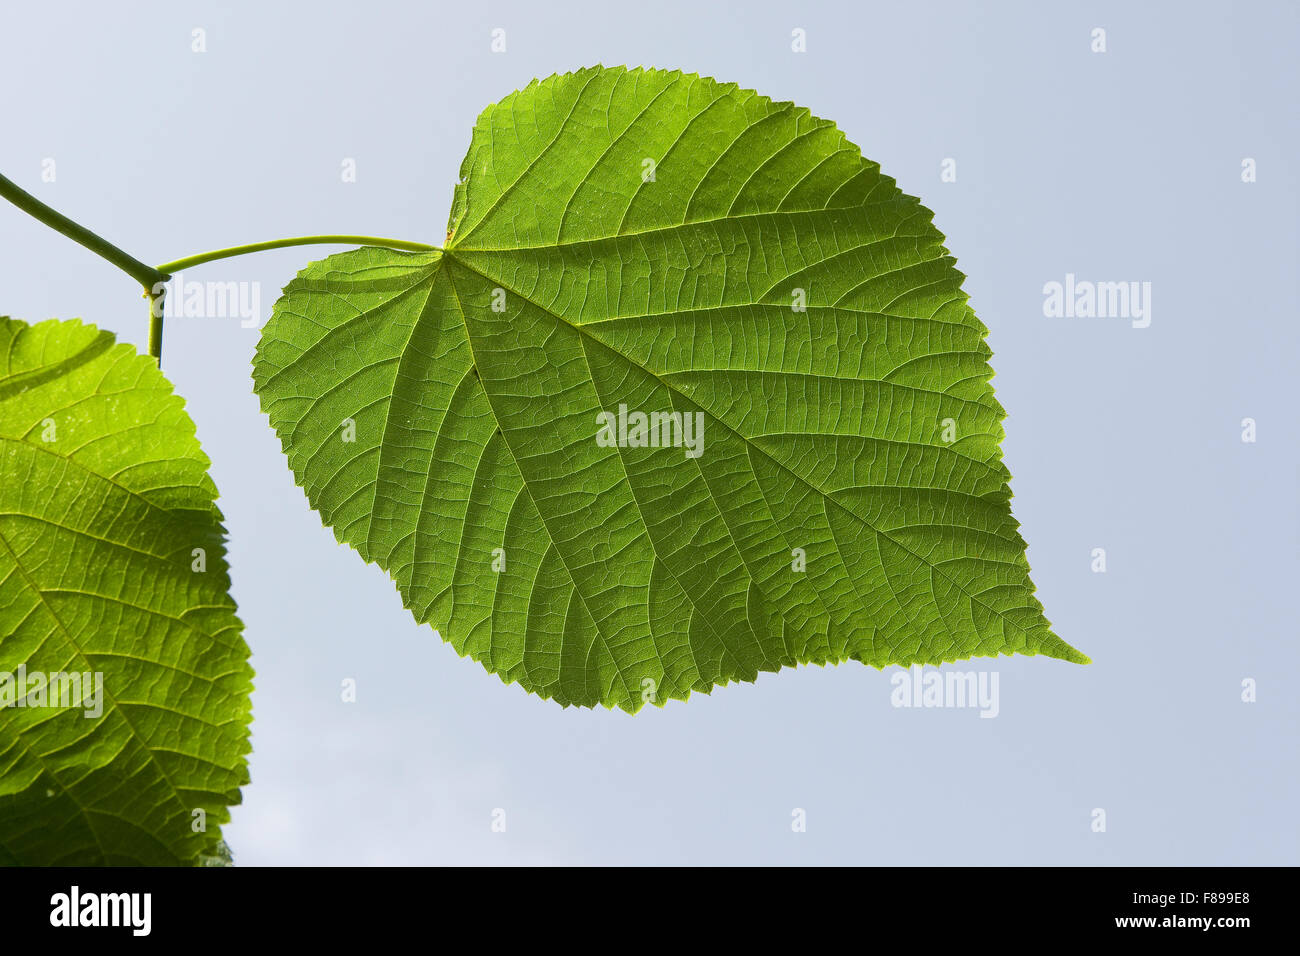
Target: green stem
[
  {"x": 147, "y": 276},
  {"x": 153, "y": 279},
  {"x": 213, "y": 256},
  {"x": 156, "y": 322}
]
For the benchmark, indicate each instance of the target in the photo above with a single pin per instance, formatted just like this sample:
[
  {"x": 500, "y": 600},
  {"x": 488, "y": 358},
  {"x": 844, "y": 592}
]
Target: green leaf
[
  {"x": 111, "y": 564},
  {"x": 674, "y": 245}
]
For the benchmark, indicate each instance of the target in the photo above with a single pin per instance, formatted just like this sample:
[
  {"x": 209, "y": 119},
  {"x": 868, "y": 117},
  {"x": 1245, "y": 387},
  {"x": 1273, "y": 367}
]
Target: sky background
[{"x": 1116, "y": 166}]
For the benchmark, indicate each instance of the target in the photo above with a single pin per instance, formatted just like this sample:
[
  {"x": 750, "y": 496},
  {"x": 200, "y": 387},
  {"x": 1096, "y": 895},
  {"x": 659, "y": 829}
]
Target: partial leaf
[
  {"x": 654, "y": 242},
  {"x": 112, "y": 569}
]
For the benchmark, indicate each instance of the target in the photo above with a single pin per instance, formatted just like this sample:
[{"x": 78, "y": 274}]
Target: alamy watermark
[
  {"x": 918, "y": 687},
  {"x": 653, "y": 430},
  {"x": 75, "y": 908},
  {"x": 209, "y": 300},
  {"x": 1098, "y": 300},
  {"x": 57, "y": 689}
]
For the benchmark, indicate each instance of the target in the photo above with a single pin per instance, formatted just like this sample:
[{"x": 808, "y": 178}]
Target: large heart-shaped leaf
[
  {"x": 124, "y": 678},
  {"x": 638, "y": 241}
]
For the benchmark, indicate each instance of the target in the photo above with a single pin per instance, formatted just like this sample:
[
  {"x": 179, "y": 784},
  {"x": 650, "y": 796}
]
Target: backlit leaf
[
  {"x": 640, "y": 241},
  {"x": 112, "y": 569}
]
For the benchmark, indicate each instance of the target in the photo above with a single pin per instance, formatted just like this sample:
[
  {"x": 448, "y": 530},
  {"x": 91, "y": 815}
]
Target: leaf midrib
[{"x": 576, "y": 590}]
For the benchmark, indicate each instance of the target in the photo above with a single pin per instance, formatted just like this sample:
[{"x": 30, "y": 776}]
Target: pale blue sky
[{"x": 1115, "y": 167}]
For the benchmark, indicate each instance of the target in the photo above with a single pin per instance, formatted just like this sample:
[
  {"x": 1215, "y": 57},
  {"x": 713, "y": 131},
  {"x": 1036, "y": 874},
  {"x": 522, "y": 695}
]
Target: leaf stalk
[
  {"x": 338, "y": 240},
  {"x": 154, "y": 279}
]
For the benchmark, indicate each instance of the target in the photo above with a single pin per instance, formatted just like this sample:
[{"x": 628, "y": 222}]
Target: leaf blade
[
  {"x": 104, "y": 497},
  {"x": 766, "y": 281}
]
